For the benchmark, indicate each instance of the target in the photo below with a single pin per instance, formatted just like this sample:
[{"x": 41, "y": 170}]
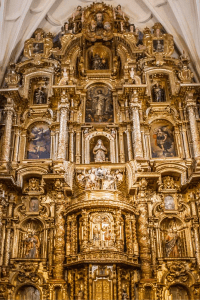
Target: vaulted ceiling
[{"x": 20, "y": 18}]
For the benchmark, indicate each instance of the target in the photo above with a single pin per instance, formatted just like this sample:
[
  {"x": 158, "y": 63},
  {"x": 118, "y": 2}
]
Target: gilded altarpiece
[{"x": 100, "y": 164}]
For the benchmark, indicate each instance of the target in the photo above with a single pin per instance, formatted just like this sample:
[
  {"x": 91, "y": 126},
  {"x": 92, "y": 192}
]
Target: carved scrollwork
[
  {"x": 177, "y": 272},
  {"x": 28, "y": 272},
  {"x": 34, "y": 187},
  {"x": 169, "y": 184}
]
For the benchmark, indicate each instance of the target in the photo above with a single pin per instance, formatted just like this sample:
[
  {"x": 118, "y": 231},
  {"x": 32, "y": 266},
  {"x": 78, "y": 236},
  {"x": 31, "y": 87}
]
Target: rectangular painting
[{"x": 162, "y": 139}]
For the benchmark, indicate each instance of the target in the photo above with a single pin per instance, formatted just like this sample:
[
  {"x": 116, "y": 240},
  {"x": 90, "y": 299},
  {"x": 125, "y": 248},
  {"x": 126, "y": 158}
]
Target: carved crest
[
  {"x": 39, "y": 45},
  {"x": 158, "y": 44}
]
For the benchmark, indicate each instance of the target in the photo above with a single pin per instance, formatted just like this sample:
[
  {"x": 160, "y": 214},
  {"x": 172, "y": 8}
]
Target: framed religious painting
[
  {"x": 162, "y": 139},
  {"x": 99, "y": 105},
  {"x": 38, "y": 141}
]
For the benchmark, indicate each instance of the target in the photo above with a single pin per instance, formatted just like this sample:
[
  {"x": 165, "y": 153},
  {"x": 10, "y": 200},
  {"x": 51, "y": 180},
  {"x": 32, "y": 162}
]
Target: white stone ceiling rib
[{"x": 19, "y": 19}]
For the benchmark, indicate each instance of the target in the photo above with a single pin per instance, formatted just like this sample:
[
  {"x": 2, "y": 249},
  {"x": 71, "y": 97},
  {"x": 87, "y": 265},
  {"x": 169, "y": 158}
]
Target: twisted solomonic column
[
  {"x": 143, "y": 234},
  {"x": 59, "y": 250}
]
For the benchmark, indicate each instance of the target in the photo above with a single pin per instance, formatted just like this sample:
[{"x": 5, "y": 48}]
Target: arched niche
[
  {"x": 90, "y": 141},
  {"x": 173, "y": 238},
  {"x": 28, "y": 292},
  {"x": 99, "y": 57},
  {"x": 57, "y": 294},
  {"x": 162, "y": 139},
  {"x": 148, "y": 293},
  {"x": 99, "y": 104},
  {"x": 33, "y": 77},
  {"x": 38, "y": 143},
  {"x": 177, "y": 292},
  {"x": 31, "y": 239}
]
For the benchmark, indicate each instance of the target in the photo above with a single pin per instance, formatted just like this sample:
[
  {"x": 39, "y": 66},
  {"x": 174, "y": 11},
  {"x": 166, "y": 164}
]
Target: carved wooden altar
[{"x": 100, "y": 165}]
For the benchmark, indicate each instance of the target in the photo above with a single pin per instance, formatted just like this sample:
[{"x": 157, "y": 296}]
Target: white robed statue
[{"x": 99, "y": 152}]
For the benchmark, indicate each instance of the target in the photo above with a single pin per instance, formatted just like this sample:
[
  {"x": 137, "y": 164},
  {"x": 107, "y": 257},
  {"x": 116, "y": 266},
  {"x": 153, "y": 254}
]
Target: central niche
[
  {"x": 99, "y": 104},
  {"x": 98, "y": 58}
]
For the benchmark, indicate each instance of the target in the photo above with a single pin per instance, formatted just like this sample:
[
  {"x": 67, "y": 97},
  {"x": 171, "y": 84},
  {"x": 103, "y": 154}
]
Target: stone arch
[{"x": 99, "y": 134}]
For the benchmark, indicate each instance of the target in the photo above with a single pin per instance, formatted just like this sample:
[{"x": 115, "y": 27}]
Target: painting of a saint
[
  {"x": 38, "y": 47},
  {"x": 34, "y": 205},
  {"x": 39, "y": 139},
  {"x": 169, "y": 203},
  {"x": 158, "y": 45},
  {"x": 98, "y": 58},
  {"x": 99, "y": 106},
  {"x": 40, "y": 96},
  {"x": 98, "y": 62},
  {"x": 162, "y": 140}
]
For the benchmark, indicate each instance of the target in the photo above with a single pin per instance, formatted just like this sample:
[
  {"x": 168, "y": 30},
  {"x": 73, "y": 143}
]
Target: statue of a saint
[
  {"x": 172, "y": 244},
  {"x": 96, "y": 233},
  {"x": 32, "y": 246},
  {"x": 39, "y": 96},
  {"x": 158, "y": 93},
  {"x": 100, "y": 103},
  {"x": 99, "y": 151},
  {"x": 109, "y": 181}
]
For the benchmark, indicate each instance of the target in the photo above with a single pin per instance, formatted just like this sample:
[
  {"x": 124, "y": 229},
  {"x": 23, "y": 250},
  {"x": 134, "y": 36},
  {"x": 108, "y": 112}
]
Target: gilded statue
[
  {"x": 32, "y": 246},
  {"x": 172, "y": 244}
]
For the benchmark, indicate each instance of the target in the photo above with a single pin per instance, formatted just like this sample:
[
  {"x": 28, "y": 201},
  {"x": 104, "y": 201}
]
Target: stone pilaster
[{"x": 137, "y": 138}]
